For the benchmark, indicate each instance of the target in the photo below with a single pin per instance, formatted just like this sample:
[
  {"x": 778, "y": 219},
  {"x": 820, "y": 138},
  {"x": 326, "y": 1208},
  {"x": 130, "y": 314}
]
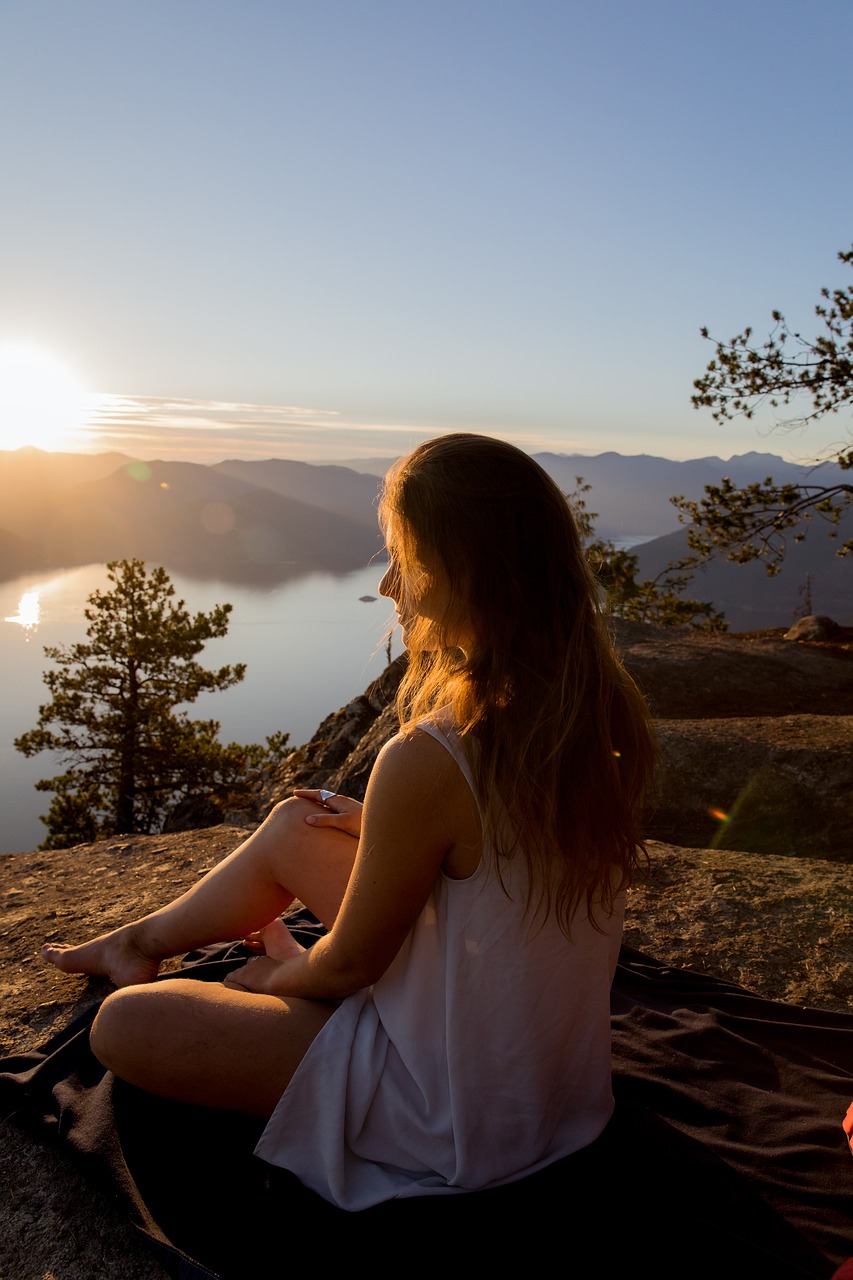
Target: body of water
[{"x": 310, "y": 646}]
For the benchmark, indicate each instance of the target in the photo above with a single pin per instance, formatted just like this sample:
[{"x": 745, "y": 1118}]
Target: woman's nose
[{"x": 386, "y": 585}]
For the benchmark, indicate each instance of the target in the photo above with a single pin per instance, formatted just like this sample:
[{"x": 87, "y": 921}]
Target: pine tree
[
  {"x": 754, "y": 521},
  {"x": 129, "y": 754}
]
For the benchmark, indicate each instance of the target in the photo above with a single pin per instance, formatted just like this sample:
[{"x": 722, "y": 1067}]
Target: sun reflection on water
[{"x": 29, "y": 611}]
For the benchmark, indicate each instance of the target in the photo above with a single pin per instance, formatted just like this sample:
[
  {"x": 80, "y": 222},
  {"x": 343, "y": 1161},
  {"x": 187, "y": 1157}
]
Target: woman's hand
[
  {"x": 259, "y": 976},
  {"x": 340, "y": 812}
]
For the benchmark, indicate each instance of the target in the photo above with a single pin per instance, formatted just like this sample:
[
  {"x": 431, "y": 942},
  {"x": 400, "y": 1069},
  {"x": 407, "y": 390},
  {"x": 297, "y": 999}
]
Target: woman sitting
[{"x": 451, "y": 1029}]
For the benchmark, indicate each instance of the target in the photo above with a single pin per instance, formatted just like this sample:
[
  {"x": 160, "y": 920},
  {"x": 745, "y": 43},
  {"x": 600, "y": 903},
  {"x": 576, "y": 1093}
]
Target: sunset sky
[{"x": 328, "y": 228}]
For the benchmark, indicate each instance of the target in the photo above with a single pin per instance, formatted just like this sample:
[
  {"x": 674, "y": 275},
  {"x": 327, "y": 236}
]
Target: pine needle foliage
[
  {"x": 754, "y": 522},
  {"x": 129, "y": 753}
]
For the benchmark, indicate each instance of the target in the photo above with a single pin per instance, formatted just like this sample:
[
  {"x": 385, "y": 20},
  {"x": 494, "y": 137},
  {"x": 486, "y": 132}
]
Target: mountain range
[
  {"x": 274, "y": 520},
  {"x": 257, "y": 522}
]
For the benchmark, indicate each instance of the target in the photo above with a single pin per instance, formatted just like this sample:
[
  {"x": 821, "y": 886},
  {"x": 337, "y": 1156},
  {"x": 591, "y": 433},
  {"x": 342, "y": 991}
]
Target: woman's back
[{"x": 481, "y": 1054}]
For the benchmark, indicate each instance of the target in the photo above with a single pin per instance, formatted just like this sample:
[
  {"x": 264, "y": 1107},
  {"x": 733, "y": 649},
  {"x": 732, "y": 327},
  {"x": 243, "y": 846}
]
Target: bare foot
[
  {"x": 275, "y": 939},
  {"x": 115, "y": 955}
]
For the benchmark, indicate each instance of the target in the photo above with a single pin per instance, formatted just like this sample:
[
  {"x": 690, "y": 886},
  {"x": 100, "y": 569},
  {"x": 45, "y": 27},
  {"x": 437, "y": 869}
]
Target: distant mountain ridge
[
  {"x": 811, "y": 579},
  {"x": 631, "y": 492},
  {"x": 277, "y": 519},
  {"x": 201, "y": 520},
  {"x": 330, "y": 487}
]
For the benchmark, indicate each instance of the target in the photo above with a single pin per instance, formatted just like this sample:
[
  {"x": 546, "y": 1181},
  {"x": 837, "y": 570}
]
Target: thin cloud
[{"x": 214, "y": 430}]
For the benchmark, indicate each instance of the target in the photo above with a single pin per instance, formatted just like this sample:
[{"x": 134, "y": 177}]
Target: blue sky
[{"x": 331, "y": 227}]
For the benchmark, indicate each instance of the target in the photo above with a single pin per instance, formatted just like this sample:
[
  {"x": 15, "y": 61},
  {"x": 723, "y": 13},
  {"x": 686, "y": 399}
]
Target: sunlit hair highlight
[{"x": 556, "y": 732}]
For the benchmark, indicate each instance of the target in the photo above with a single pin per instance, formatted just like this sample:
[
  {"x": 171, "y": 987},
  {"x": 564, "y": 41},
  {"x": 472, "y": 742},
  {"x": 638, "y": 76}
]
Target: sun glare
[
  {"x": 41, "y": 401},
  {"x": 29, "y": 610}
]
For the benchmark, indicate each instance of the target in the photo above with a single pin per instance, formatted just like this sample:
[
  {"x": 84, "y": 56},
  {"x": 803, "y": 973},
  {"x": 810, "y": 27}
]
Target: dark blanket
[{"x": 725, "y": 1153}]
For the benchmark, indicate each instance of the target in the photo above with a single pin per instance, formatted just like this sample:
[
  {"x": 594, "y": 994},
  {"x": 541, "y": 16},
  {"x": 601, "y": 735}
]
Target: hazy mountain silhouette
[
  {"x": 750, "y": 600},
  {"x": 185, "y": 516},
  {"x": 338, "y": 489},
  {"x": 33, "y": 470},
  {"x": 631, "y": 493},
  {"x": 278, "y": 519},
  {"x": 367, "y": 466}
]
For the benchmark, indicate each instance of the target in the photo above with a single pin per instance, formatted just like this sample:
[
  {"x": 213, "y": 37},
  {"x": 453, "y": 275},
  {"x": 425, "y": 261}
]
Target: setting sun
[{"x": 42, "y": 403}]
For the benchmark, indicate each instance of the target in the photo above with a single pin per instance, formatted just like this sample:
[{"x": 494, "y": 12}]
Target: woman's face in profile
[{"x": 425, "y": 600}]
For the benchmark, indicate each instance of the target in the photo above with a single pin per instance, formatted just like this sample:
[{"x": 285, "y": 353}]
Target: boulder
[
  {"x": 686, "y": 675},
  {"x": 815, "y": 627},
  {"x": 772, "y": 785},
  {"x": 342, "y": 751},
  {"x": 755, "y": 730}
]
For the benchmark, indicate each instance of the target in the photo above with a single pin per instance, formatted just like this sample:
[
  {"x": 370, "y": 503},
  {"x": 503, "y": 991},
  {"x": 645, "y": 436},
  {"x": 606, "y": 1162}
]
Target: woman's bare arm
[{"x": 411, "y": 821}]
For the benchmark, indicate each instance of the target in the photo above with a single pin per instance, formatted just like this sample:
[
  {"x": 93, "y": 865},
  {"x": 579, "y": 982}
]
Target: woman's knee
[
  {"x": 314, "y": 863},
  {"x": 287, "y": 837},
  {"x": 290, "y": 814},
  {"x": 117, "y": 1027}
]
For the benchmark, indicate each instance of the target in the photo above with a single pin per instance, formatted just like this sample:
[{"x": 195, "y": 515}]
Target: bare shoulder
[
  {"x": 416, "y": 773},
  {"x": 415, "y": 759}
]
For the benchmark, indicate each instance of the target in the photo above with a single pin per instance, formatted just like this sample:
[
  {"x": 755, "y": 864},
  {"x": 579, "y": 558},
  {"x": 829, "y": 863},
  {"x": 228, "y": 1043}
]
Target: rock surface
[
  {"x": 691, "y": 676},
  {"x": 697, "y": 907},
  {"x": 756, "y": 718},
  {"x": 765, "y": 784}
]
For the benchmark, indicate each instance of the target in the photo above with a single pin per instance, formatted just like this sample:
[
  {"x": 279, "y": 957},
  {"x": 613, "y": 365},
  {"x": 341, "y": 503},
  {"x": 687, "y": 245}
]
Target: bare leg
[
  {"x": 285, "y": 858},
  {"x": 203, "y": 1043}
]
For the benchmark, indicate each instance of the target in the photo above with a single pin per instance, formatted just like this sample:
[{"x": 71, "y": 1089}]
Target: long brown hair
[{"x": 564, "y": 750}]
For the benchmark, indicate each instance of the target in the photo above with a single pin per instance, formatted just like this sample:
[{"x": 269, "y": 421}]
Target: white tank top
[{"x": 481, "y": 1054}]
